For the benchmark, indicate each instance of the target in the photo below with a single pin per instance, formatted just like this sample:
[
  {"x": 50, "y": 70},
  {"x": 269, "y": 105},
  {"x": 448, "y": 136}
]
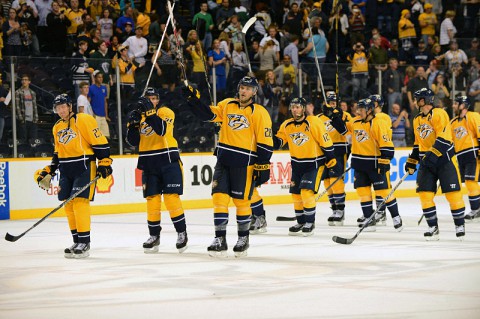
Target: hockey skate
[
  {"x": 370, "y": 227},
  {"x": 474, "y": 214},
  {"x": 307, "y": 229},
  {"x": 241, "y": 247},
  {"x": 69, "y": 251},
  {"x": 381, "y": 218},
  {"x": 82, "y": 250},
  {"x": 218, "y": 248},
  {"x": 151, "y": 245},
  {"x": 295, "y": 230},
  {"x": 397, "y": 223},
  {"x": 336, "y": 219},
  {"x": 259, "y": 226},
  {"x": 460, "y": 232},
  {"x": 182, "y": 240},
  {"x": 432, "y": 234}
]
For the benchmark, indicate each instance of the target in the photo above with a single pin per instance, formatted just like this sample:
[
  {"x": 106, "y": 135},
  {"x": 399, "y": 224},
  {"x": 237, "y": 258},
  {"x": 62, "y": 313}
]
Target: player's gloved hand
[
  {"x": 44, "y": 176},
  {"x": 134, "y": 118},
  {"x": 411, "y": 166},
  {"x": 431, "y": 158},
  {"x": 333, "y": 167},
  {"x": 261, "y": 173},
  {"x": 337, "y": 113},
  {"x": 104, "y": 168},
  {"x": 383, "y": 165},
  {"x": 146, "y": 106},
  {"x": 190, "y": 93}
]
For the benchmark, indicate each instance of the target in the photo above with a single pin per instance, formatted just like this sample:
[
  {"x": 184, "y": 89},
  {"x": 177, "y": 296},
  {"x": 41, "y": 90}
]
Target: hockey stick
[
  {"x": 12, "y": 238},
  {"x": 156, "y": 53},
  {"x": 348, "y": 241},
  {"x": 245, "y": 28},
  {"x": 179, "y": 49},
  {"x": 285, "y": 218},
  {"x": 316, "y": 60}
]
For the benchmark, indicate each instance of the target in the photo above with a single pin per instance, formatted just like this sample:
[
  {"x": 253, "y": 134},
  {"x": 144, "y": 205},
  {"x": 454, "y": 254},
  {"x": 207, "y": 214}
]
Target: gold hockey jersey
[
  {"x": 433, "y": 131},
  {"x": 466, "y": 136},
  {"x": 245, "y": 136},
  {"x": 340, "y": 143},
  {"x": 308, "y": 141},
  {"x": 388, "y": 121},
  {"x": 370, "y": 141},
  {"x": 77, "y": 142}
]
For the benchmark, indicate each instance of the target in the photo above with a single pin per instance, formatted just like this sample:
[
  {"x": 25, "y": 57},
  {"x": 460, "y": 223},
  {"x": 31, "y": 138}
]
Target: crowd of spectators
[{"x": 389, "y": 46}]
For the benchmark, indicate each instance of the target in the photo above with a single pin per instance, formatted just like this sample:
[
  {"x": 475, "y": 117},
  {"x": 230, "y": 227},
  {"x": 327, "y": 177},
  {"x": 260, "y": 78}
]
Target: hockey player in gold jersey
[
  {"x": 466, "y": 138},
  {"x": 336, "y": 194},
  {"x": 434, "y": 150},
  {"x": 372, "y": 150},
  {"x": 311, "y": 149},
  {"x": 243, "y": 158},
  {"x": 78, "y": 143},
  {"x": 150, "y": 127}
]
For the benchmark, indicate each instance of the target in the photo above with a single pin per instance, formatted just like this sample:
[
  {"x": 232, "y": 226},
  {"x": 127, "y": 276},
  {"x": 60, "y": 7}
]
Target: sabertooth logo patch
[
  {"x": 237, "y": 122},
  {"x": 146, "y": 129},
  {"x": 299, "y": 138},
  {"x": 329, "y": 126},
  {"x": 424, "y": 131},
  {"x": 66, "y": 135},
  {"x": 361, "y": 136},
  {"x": 460, "y": 132}
]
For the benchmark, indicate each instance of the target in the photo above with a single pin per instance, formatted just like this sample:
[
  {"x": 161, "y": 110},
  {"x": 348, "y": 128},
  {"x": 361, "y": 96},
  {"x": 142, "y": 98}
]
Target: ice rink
[{"x": 381, "y": 275}]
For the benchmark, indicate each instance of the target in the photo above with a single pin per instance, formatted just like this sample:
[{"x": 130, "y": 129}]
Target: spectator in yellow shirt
[{"x": 428, "y": 21}]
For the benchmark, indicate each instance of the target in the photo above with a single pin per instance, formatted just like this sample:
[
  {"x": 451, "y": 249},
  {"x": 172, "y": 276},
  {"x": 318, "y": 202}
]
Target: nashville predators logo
[
  {"x": 329, "y": 126},
  {"x": 292, "y": 184},
  {"x": 237, "y": 122},
  {"x": 66, "y": 135},
  {"x": 361, "y": 136},
  {"x": 146, "y": 129},
  {"x": 460, "y": 132},
  {"x": 299, "y": 138},
  {"x": 424, "y": 131}
]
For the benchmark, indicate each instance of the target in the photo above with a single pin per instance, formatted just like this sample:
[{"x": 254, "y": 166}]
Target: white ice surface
[{"x": 381, "y": 275}]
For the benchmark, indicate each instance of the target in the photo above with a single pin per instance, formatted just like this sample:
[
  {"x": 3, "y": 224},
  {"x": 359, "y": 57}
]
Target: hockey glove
[
  {"x": 146, "y": 106},
  {"x": 104, "y": 168},
  {"x": 190, "y": 93},
  {"x": 44, "y": 176},
  {"x": 431, "y": 158},
  {"x": 337, "y": 113},
  {"x": 134, "y": 119},
  {"x": 333, "y": 168},
  {"x": 383, "y": 165},
  {"x": 261, "y": 173},
  {"x": 411, "y": 166}
]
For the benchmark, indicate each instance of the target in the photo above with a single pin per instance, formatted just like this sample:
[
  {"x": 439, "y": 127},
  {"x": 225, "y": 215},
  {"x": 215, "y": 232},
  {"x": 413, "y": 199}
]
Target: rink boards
[{"x": 21, "y": 198}]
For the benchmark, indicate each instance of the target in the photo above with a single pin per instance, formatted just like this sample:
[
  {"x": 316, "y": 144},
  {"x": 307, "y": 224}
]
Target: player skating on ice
[
  {"x": 434, "y": 151},
  {"x": 336, "y": 195},
  {"x": 150, "y": 127},
  {"x": 372, "y": 150},
  {"x": 78, "y": 144},
  {"x": 243, "y": 158},
  {"x": 466, "y": 138},
  {"x": 311, "y": 149}
]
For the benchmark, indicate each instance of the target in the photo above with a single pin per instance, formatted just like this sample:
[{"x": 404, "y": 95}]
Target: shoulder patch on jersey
[
  {"x": 66, "y": 135},
  {"x": 424, "y": 130},
  {"x": 299, "y": 138},
  {"x": 329, "y": 126},
  {"x": 237, "y": 122},
  {"x": 361, "y": 135},
  {"x": 460, "y": 132},
  {"x": 146, "y": 129}
]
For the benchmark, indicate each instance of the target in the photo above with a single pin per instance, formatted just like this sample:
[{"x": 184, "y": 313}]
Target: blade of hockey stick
[
  {"x": 11, "y": 238},
  {"x": 285, "y": 218},
  {"x": 348, "y": 241},
  {"x": 248, "y": 24}
]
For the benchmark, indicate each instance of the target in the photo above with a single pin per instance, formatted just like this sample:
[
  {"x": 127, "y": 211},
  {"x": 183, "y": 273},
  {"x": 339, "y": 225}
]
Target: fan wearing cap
[
  {"x": 127, "y": 66},
  {"x": 150, "y": 127},
  {"x": 137, "y": 46},
  {"x": 372, "y": 151},
  {"x": 427, "y": 21},
  {"x": 311, "y": 150},
  {"x": 434, "y": 150},
  {"x": 466, "y": 138},
  {"x": 406, "y": 30},
  {"x": 78, "y": 144},
  {"x": 243, "y": 158}
]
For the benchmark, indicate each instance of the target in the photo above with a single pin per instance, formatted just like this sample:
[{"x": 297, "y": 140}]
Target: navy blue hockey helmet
[
  {"x": 150, "y": 91},
  {"x": 425, "y": 94},
  {"x": 61, "y": 99},
  {"x": 248, "y": 81},
  {"x": 331, "y": 96},
  {"x": 298, "y": 101},
  {"x": 462, "y": 99},
  {"x": 377, "y": 98},
  {"x": 366, "y": 104}
]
